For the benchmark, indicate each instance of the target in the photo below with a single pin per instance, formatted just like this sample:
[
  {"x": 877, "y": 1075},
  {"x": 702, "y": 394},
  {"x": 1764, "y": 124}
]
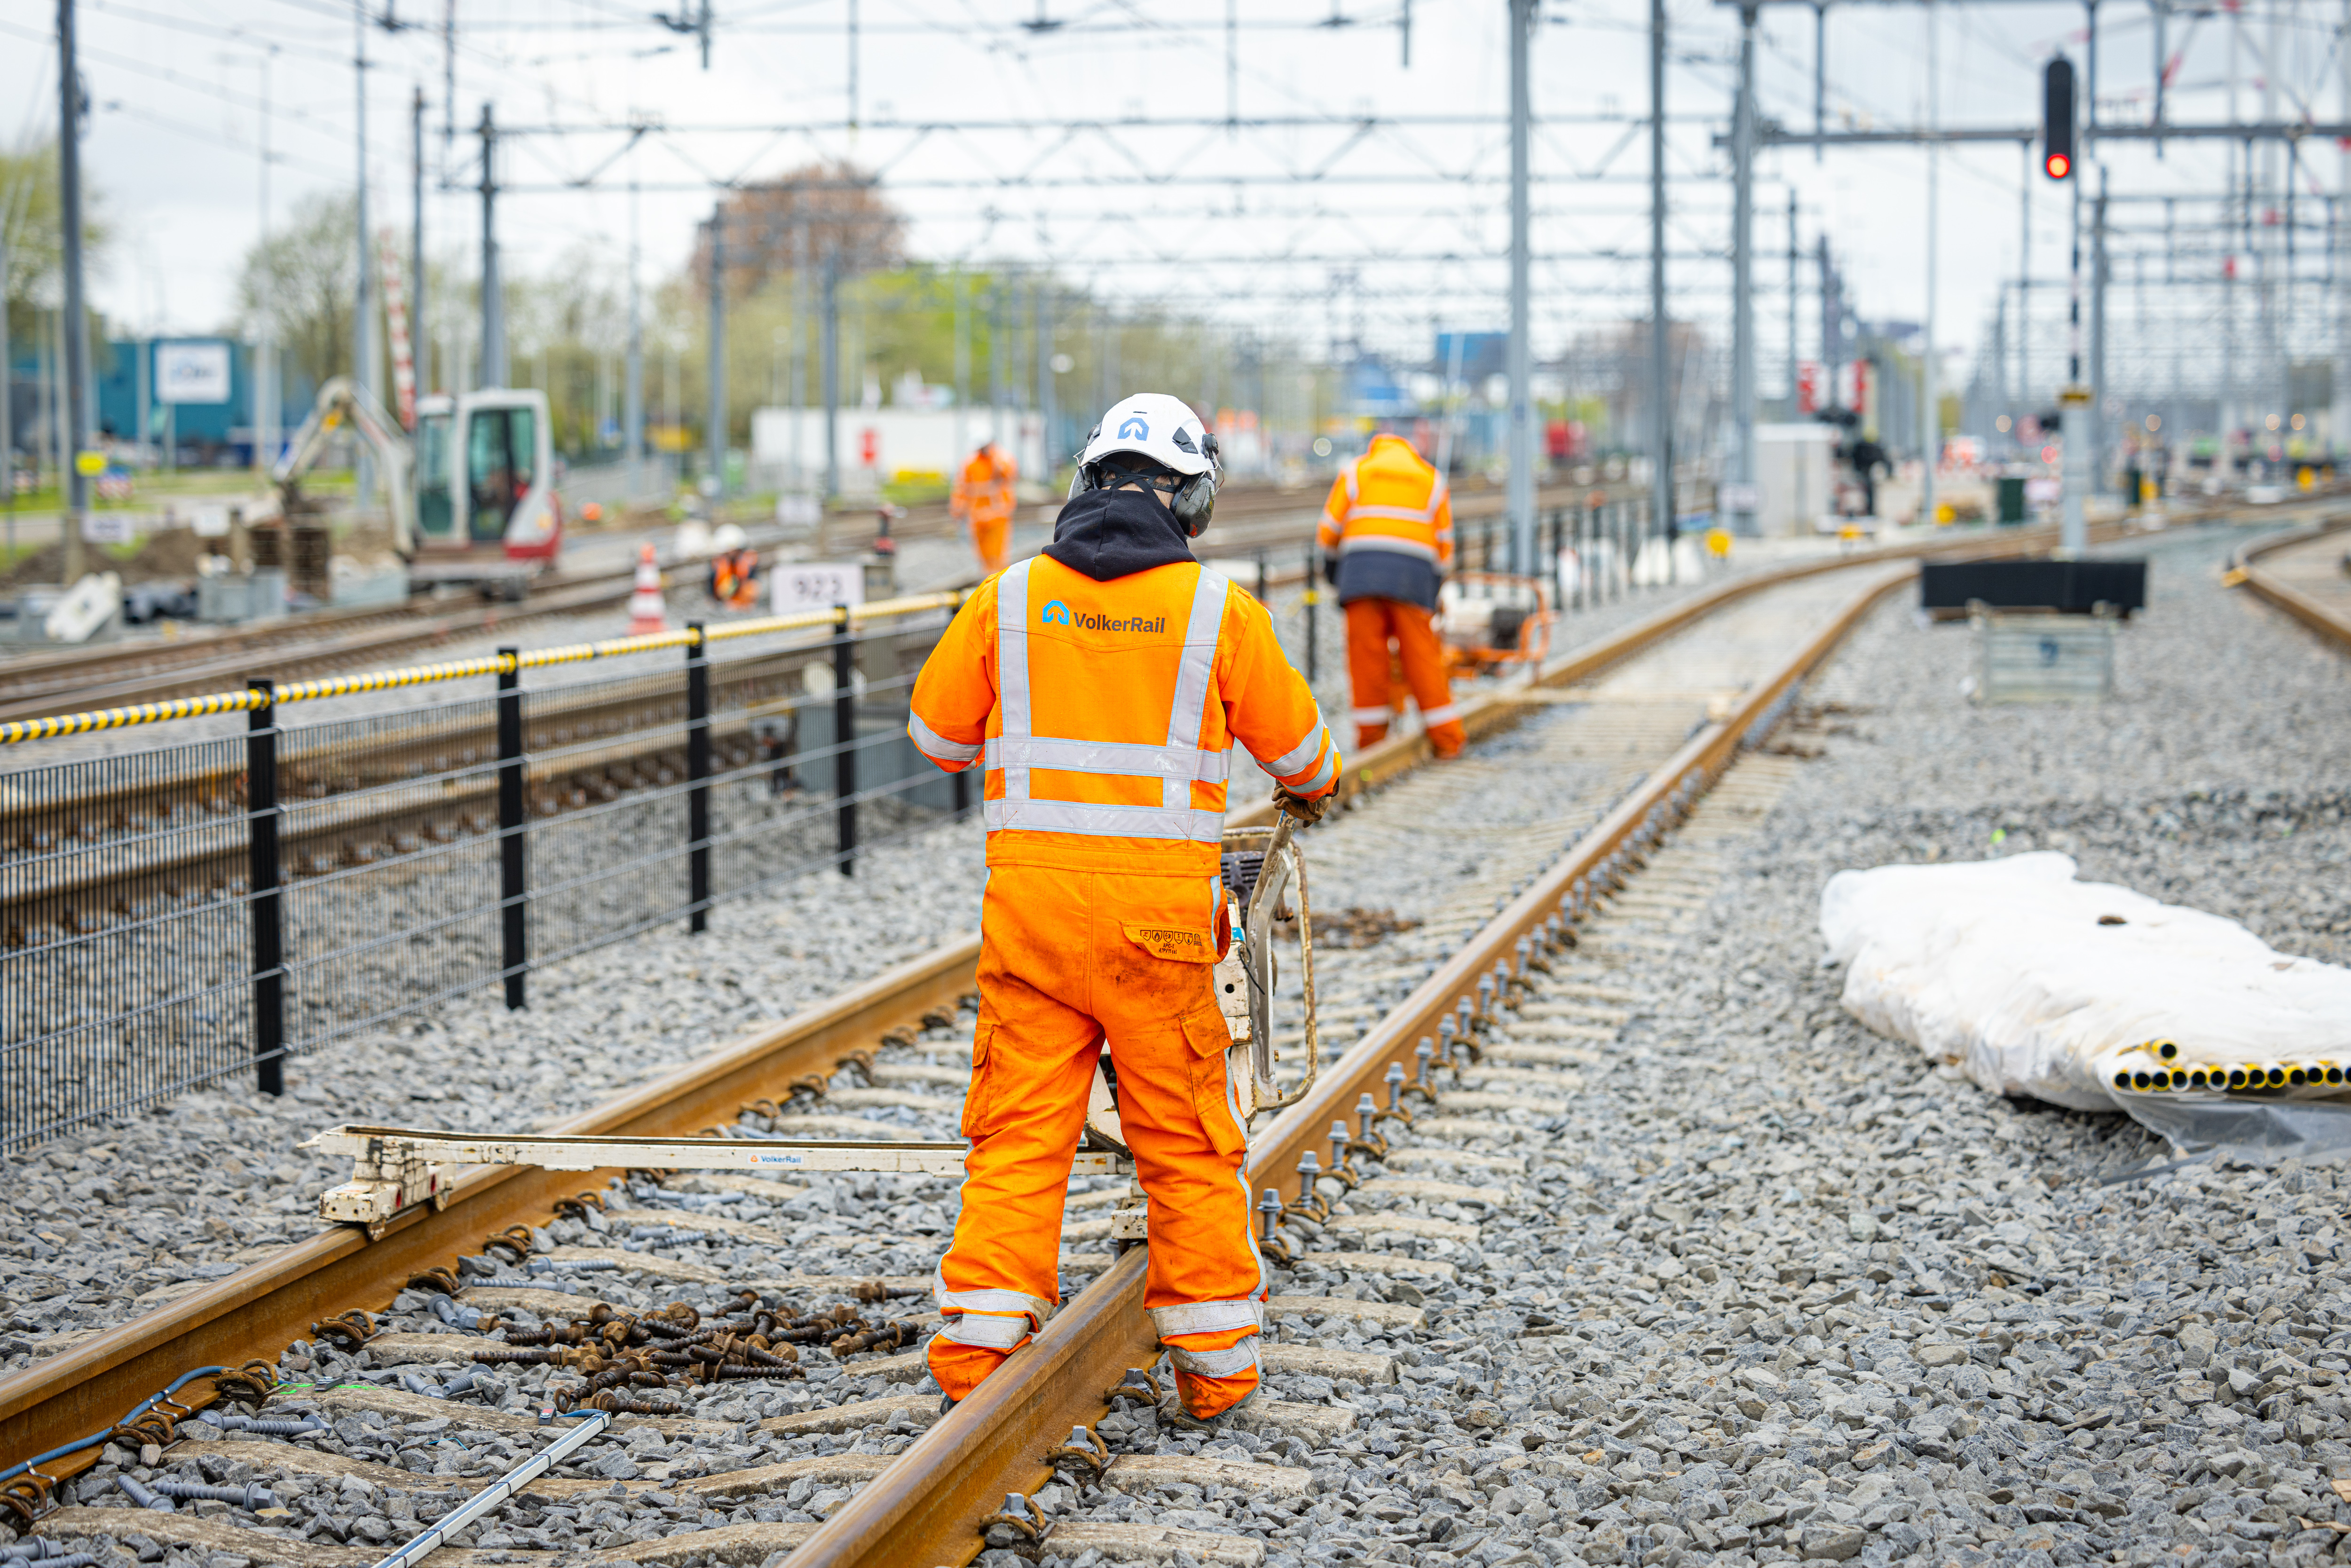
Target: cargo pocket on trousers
[
  {"x": 978, "y": 1098},
  {"x": 1208, "y": 1038}
]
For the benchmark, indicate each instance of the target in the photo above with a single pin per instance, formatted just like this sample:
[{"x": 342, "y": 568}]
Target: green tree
[
  {"x": 29, "y": 223},
  {"x": 303, "y": 281}
]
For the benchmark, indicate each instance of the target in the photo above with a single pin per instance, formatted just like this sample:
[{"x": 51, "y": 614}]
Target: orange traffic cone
[{"x": 647, "y": 611}]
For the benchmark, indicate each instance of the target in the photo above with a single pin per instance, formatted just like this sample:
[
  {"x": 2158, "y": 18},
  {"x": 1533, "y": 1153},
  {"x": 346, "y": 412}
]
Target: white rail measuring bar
[{"x": 396, "y": 1168}]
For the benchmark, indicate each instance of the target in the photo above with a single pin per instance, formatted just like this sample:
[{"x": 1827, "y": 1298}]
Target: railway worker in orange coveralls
[
  {"x": 983, "y": 499},
  {"x": 1386, "y": 534},
  {"x": 1101, "y": 686}
]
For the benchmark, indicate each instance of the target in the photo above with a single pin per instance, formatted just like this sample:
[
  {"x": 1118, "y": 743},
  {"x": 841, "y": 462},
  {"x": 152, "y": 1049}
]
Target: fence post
[
  {"x": 1260, "y": 577},
  {"x": 844, "y": 741},
  {"x": 697, "y": 777},
  {"x": 1314, "y": 598},
  {"x": 513, "y": 908},
  {"x": 1620, "y": 572},
  {"x": 262, "y": 890}
]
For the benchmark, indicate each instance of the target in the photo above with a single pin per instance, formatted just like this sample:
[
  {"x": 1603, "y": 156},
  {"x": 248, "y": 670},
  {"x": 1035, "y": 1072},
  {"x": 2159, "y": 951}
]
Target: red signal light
[{"x": 2059, "y": 166}]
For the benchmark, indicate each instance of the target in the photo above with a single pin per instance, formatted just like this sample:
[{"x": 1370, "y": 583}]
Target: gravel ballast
[{"x": 1691, "y": 1268}]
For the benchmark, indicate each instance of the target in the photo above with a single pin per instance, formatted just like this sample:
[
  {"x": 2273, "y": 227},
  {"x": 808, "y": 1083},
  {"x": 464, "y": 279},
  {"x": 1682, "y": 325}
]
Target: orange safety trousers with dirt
[
  {"x": 1389, "y": 501},
  {"x": 1393, "y": 648},
  {"x": 1104, "y": 713},
  {"x": 983, "y": 497}
]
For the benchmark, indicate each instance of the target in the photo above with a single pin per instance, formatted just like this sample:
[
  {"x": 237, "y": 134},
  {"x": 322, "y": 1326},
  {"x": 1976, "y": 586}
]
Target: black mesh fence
[{"x": 401, "y": 858}]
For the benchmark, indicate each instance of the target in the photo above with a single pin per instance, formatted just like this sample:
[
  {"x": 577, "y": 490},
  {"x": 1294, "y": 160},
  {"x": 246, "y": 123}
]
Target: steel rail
[
  {"x": 2321, "y": 618},
  {"x": 924, "y": 1507},
  {"x": 274, "y": 1300},
  {"x": 991, "y": 1435}
]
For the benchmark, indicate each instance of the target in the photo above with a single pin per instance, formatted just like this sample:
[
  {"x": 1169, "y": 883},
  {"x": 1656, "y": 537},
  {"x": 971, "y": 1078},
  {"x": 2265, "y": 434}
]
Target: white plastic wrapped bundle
[{"x": 2094, "y": 996}]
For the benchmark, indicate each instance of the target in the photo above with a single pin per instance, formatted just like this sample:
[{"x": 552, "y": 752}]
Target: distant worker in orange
[
  {"x": 983, "y": 499},
  {"x": 1101, "y": 686},
  {"x": 734, "y": 568},
  {"x": 1387, "y": 536}
]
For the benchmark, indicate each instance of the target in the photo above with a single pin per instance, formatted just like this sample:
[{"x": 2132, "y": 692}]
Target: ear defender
[{"x": 1198, "y": 499}]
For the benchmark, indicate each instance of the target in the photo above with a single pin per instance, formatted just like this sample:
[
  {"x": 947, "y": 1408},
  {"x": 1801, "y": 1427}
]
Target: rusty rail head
[
  {"x": 923, "y": 1507},
  {"x": 2321, "y": 618},
  {"x": 260, "y": 1308}
]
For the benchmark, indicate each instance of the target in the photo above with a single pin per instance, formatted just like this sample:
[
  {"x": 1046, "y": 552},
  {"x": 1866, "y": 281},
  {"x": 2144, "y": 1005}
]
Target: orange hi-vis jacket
[
  {"x": 983, "y": 491},
  {"x": 1389, "y": 503},
  {"x": 1104, "y": 713}
]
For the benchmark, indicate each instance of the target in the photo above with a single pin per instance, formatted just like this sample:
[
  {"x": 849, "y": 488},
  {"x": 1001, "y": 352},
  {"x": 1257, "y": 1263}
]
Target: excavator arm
[{"x": 344, "y": 402}]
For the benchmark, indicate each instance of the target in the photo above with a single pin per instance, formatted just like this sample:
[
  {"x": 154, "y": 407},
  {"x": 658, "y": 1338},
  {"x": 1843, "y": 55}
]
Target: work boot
[{"x": 1183, "y": 1420}]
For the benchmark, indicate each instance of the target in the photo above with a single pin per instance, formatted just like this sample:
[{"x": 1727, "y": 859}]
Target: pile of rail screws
[{"x": 622, "y": 1356}]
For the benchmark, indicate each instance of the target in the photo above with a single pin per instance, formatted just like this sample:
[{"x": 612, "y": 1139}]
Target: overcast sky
[{"x": 1420, "y": 209}]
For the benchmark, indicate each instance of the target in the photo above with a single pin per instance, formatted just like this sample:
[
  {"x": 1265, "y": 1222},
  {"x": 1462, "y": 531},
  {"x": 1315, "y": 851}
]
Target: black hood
[{"x": 1109, "y": 534}]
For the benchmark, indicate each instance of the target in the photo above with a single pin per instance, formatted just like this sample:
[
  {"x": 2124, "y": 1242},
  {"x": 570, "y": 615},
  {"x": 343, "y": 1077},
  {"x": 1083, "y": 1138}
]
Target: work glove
[
  {"x": 1299, "y": 808},
  {"x": 1330, "y": 568}
]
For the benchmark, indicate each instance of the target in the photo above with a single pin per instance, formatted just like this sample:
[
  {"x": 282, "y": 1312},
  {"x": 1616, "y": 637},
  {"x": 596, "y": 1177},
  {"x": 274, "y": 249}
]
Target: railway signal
[{"x": 2058, "y": 118}]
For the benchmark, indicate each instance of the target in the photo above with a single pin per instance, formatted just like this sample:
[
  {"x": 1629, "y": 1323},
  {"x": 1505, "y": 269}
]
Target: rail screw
[
  {"x": 1366, "y": 1110},
  {"x": 1462, "y": 1008},
  {"x": 252, "y": 1497},
  {"x": 1310, "y": 1170},
  {"x": 142, "y": 1496},
  {"x": 1394, "y": 1081},
  {"x": 1268, "y": 1208},
  {"x": 1338, "y": 1145},
  {"x": 1426, "y": 1052}
]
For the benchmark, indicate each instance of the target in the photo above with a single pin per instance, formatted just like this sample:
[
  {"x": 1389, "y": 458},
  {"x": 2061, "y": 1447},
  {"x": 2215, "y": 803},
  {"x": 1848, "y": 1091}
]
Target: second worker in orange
[
  {"x": 1386, "y": 534},
  {"x": 1102, "y": 686}
]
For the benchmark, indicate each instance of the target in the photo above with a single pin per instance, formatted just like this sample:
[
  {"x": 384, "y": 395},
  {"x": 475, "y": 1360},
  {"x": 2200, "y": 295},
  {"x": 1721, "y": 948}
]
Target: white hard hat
[
  {"x": 1154, "y": 425},
  {"x": 1164, "y": 431},
  {"x": 727, "y": 537}
]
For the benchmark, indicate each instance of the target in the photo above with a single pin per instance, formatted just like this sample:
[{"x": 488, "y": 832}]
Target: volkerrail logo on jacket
[{"x": 1058, "y": 615}]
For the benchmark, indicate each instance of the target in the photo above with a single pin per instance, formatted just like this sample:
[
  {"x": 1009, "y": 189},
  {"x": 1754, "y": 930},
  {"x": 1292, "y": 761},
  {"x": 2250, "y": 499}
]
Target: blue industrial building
[{"x": 202, "y": 433}]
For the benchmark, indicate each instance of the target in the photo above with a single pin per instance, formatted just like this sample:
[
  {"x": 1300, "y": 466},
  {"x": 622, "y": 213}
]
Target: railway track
[
  {"x": 324, "y": 643},
  {"x": 907, "y": 1032},
  {"x": 2306, "y": 573}
]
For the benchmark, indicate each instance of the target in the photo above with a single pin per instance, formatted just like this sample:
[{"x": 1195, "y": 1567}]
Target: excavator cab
[{"x": 486, "y": 474}]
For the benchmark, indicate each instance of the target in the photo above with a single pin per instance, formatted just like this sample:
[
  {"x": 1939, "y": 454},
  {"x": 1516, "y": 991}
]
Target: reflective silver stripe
[
  {"x": 983, "y": 1301},
  {"x": 1186, "y": 822},
  {"x": 1206, "y": 1317},
  {"x": 1436, "y": 715},
  {"x": 1126, "y": 760},
  {"x": 1012, "y": 666},
  {"x": 987, "y": 1333},
  {"x": 1436, "y": 496},
  {"x": 1354, "y": 542},
  {"x": 992, "y": 1302},
  {"x": 1396, "y": 514},
  {"x": 933, "y": 743},
  {"x": 1193, "y": 673},
  {"x": 1371, "y": 715},
  {"x": 1304, "y": 752},
  {"x": 1232, "y": 1363},
  {"x": 1350, "y": 472},
  {"x": 1323, "y": 776}
]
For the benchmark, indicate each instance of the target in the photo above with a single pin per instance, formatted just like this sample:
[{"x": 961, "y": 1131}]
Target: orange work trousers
[
  {"x": 1064, "y": 965},
  {"x": 1375, "y": 628},
  {"x": 991, "y": 541}
]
